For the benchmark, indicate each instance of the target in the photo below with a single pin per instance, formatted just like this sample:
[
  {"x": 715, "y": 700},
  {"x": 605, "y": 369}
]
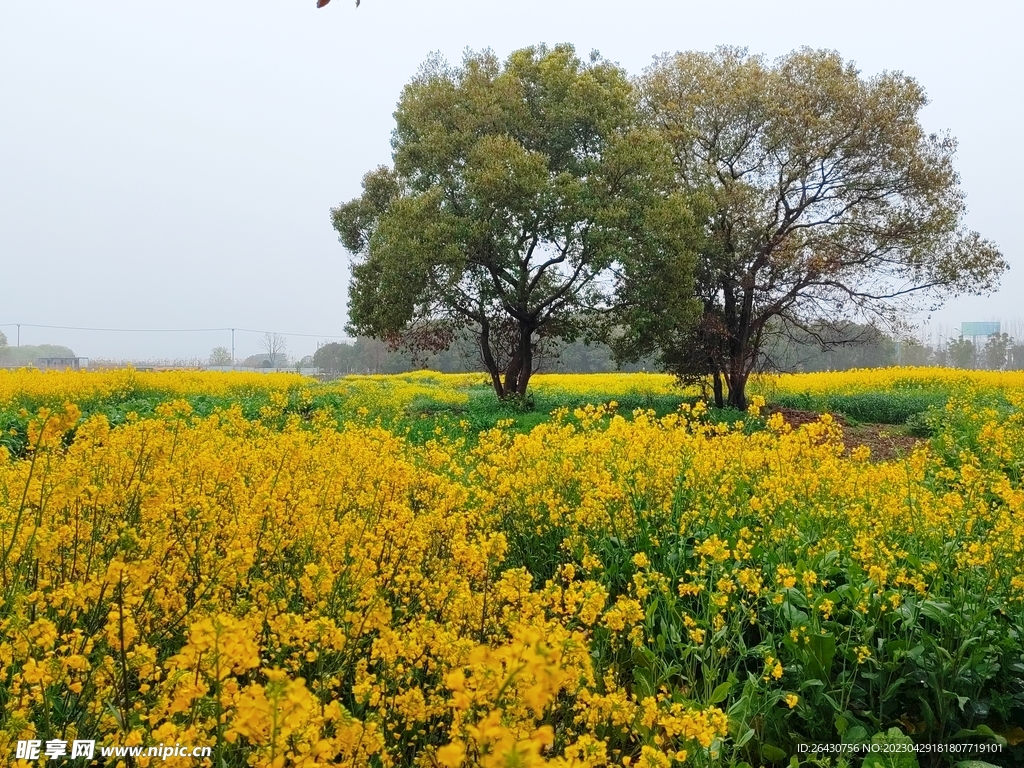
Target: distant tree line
[
  {"x": 366, "y": 355},
  {"x": 830, "y": 348},
  {"x": 821, "y": 348},
  {"x": 27, "y": 354}
]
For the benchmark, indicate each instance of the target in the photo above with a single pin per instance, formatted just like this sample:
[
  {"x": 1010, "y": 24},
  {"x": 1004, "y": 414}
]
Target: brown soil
[{"x": 886, "y": 441}]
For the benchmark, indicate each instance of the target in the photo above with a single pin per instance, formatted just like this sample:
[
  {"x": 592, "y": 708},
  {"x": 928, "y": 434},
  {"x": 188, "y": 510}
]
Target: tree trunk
[
  {"x": 512, "y": 374},
  {"x": 520, "y": 367},
  {"x": 737, "y": 382},
  {"x": 716, "y": 382},
  {"x": 488, "y": 360},
  {"x": 516, "y": 376},
  {"x": 525, "y": 358},
  {"x": 499, "y": 390}
]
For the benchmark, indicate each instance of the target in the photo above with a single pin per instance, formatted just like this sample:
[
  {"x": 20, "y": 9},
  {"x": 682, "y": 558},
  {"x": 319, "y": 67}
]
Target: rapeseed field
[{"x": 379, "y": 571}]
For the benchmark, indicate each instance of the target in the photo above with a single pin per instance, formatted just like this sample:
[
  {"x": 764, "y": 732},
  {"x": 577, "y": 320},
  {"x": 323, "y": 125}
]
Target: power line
[
  {"x": 282, "y": 333},
  {"x": 168, "y": 330},
  {"x": 118, "y": 330}
]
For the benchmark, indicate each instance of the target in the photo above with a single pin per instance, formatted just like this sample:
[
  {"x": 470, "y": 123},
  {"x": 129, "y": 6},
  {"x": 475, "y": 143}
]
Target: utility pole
[
  {"x": 19, "y": 333},
  {"x": 232, "y": 347}
]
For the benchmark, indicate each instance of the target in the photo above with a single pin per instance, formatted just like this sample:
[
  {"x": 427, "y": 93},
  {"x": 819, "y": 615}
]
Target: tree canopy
[
  {"x": 828, "y": 203},
  {"x": 220, "y": 356},
  {"x": 518, "y": 192}
]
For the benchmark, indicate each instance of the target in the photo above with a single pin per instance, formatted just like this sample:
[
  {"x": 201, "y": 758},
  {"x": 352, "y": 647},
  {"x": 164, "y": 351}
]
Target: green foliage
[
  {"x": 962, "y": 354},
  {"x": 895, "y": 407},
  {"x": 997, "y": 351},
  {"x": 920, "y": 424},
  {"x": 220, "y": 356},
  {"x": 888, "y": 756}
]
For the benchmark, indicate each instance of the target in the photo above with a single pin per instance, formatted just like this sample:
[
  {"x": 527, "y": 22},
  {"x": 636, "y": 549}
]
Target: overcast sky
[{"x": 172, "y": 165}]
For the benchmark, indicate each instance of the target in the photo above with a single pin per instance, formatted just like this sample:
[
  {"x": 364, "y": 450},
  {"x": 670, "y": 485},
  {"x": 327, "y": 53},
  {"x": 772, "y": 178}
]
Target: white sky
[{"x": 172, "y": 165}]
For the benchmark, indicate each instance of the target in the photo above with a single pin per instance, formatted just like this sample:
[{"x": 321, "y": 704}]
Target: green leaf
[
  {"x": 720, "y": 693},
  {"x": 936, "y": 611},
  {"x": 795, "y": 597},
  {"x": 644, "y": 684},
  {"x": 793, "y": 614},
  {"x": 891, "y": 759},
  {"x": 981, "y": 730},
  {"x": 772, "y": 753},
  {"x": 894, "y": 686},
  {"x": 822, "y": 649},
  {"x": 841, "y": 725},
  {"x": 856, "y": 735}
]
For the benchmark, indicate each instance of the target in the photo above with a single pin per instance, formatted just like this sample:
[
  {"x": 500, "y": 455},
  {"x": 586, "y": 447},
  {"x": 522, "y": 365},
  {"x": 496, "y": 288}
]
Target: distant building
[
  {"x": 61, "y": 363},
  {"x": 976, "y": 330}
]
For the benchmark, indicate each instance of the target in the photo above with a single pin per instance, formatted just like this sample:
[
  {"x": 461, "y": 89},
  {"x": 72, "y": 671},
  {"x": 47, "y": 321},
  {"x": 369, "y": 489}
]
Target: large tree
[
  {"x": 829, "y": 204},
  {"x": 517, "y": 192},
  {"x": 275, "y": 345},
  {"x": 220, "y": 356}
]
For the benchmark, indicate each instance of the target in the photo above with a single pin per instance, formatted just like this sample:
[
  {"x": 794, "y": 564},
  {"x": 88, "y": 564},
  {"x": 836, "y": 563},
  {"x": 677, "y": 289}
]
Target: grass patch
[{"x": 893, "y": 407}]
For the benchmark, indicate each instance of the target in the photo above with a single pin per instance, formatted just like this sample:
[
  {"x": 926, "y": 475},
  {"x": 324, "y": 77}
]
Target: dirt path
[{"x": 885, "y": 440}]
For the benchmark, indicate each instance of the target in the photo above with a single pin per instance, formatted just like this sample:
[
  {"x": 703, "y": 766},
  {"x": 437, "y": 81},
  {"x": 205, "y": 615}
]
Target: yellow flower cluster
[
  {"x": 886, "y": 380},
  {"x": 304, "y": 595},
  {"x": 300, "y": 597},
  {"x": 57, "y": 387},
  {"x": 383, "y": 396}
]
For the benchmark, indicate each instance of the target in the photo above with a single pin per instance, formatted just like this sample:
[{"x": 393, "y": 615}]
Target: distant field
[
  {"x": 402, "y": 571},
  {"x": 460, "y": 403}
]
